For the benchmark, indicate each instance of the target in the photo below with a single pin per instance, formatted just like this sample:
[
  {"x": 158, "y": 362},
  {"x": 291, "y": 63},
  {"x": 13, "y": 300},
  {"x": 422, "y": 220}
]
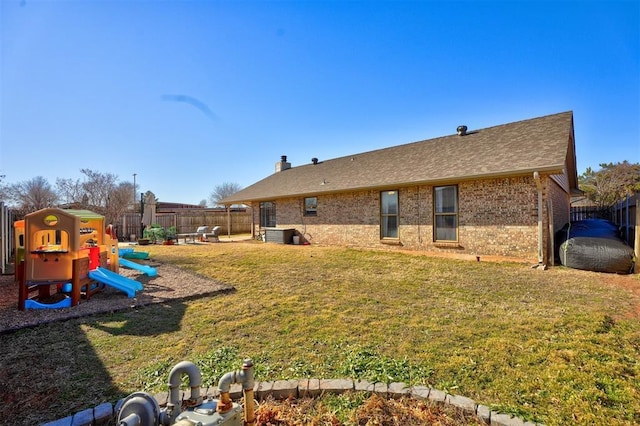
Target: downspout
[
  {"x": 246, "y": 379},
  {"x": 536, "y": 178}
]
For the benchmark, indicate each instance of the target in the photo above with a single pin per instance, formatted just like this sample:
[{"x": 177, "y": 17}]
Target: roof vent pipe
[
  {"x": 314, "y": 160},
  {"x": 462, "y": 130}
]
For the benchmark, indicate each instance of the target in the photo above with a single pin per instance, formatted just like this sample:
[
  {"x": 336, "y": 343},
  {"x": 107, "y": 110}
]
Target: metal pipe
[
  {"x": 244, "y": 377},
  {"x": 249, "y": 409},
  {"x": 175, "y": 377},
  {"x": 536, "y": 177},
  {"x": 131, "y": 420}
]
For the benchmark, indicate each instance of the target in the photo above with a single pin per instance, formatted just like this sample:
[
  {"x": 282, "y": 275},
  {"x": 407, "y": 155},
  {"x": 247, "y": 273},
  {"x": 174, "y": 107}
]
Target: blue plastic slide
[
  {"x": 67, "y": 288},
  {"x": 124, "y": 284},
  {"x": 33, "y": 304},
  {"x": 129, "y": 253},
  {"x": 148, "y": 270}
]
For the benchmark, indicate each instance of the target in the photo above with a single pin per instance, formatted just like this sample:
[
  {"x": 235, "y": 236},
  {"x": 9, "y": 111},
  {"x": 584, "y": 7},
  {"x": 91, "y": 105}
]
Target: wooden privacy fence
[
  {"x": 187, "y": 221},
  {"x": 590, "y": 212},
  {"x": 625, "y": 214},
  {"x": 6, "y": 236},
  {"x": 622, "y": 213}
]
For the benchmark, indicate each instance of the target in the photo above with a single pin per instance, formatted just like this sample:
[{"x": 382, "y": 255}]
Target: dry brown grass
[
  {"x": 560, "y": 346},
  {"x": 372, "y": 411}
]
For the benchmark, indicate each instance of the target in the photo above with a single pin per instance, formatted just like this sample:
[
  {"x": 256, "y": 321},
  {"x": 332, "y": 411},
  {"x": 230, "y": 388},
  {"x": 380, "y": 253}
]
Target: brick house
[{"x": 500, "y": 191}]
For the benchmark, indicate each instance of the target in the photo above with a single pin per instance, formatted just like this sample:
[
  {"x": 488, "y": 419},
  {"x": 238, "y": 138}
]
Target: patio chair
[
  {"x": 215, "y": 234},
  {"x": 201, "y": 232}
]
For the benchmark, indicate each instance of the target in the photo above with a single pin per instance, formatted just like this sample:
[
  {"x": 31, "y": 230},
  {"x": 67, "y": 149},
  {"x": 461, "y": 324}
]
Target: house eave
[{"x": 551, "y": 169}]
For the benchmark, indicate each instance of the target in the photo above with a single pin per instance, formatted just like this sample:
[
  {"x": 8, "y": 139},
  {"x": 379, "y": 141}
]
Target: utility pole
[
  {"x": 134, "y": 192},
  {"x": 135, "y": 225}
]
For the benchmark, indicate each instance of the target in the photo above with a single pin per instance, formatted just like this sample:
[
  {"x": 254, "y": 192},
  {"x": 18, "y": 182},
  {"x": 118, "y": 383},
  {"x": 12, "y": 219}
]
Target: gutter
[{"x": 389, "y": 185}]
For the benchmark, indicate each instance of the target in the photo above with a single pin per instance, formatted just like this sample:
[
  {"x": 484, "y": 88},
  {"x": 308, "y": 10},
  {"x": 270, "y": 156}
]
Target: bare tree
[
  {"x": 222, "y": 191},
  {"x": 118, "y": 201},
  {"x": 98, "y": 192},
  {"x": 4, "y": 195},
  {"x": 71, "y": 192},
  {"x": 612, "y": 183},
  {"x": 31, "y": 195},
  {"x": 98, "y": 187}
]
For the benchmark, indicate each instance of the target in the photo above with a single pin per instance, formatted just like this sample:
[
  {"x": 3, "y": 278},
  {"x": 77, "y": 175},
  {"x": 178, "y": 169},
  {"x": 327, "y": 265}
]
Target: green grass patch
[{"x": 560, "y": 346}]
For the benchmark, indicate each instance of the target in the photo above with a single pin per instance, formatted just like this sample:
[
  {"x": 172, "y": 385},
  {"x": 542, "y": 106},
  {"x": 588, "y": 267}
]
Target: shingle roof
[{"x": 541, "y": 144}]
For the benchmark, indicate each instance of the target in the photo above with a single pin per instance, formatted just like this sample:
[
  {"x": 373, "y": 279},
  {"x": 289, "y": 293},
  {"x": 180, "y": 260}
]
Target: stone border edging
[{"x": 103, "y": 414}]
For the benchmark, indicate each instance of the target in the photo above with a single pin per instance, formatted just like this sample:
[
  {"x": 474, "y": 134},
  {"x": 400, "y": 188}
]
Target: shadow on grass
[
  {"x": 150, "y": 320},
  {"x": 53, "y": 370},
  {"x": 49, "y": 364},
  {"x": 166, "y": 318}
]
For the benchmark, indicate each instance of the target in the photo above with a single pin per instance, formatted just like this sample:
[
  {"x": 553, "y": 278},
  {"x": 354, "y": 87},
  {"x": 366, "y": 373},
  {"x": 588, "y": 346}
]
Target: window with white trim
[
  {"x": 445, "y": 215},
  {"x": 311, "y": 206},
  {"x": 267, "y": 214},
  {"x": 389, "y": 214}
]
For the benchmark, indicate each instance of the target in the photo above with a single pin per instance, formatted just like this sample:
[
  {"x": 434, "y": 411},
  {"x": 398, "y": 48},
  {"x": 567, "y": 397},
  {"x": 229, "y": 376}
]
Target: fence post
[
  {"x": 627, "y": 221},
  {"x": 4, "y": 237},
  {"x": 636, "y": 238}
]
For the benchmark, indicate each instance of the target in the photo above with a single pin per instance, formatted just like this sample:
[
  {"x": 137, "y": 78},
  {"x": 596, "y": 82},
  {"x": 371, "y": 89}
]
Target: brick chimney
[{"x": 282, "y": 164}]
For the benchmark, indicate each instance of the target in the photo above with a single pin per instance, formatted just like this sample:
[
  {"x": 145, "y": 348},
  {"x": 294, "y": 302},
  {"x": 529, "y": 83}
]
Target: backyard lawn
[{"x": 559, "y": 346}]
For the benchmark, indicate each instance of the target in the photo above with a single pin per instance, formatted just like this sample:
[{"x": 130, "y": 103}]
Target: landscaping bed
[{"x": 171, "y": 283}]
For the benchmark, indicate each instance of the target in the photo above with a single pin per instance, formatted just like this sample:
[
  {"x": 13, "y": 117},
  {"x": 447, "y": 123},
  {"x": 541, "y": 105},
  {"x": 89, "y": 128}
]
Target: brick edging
[{"x": 104, "y": 413}]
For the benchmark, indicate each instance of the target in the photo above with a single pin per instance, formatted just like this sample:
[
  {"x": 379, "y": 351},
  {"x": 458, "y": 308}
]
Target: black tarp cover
[{"x": 595, "y": 245}]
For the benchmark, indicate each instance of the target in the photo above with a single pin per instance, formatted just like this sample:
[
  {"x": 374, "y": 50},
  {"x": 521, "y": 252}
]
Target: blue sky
[{"x": 191, "y": 94}]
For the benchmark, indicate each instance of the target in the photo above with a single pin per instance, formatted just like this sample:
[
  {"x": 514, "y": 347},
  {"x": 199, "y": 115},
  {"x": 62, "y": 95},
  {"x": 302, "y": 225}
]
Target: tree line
[
  {"x": 96, "y": 191},
  {"x": 613, "y": 182},
  {"x": 99, "y": 192},
  {"x": 103, "y": 194}
]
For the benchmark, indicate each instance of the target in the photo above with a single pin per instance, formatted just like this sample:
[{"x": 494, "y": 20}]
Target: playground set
[{"x": 68, "y": 253}]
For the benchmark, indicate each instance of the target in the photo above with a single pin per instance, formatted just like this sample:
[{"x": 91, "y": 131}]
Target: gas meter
[{"x": 141, "y": 409}]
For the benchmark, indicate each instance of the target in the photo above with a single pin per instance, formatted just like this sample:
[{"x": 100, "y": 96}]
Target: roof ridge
[
  {"x": 516, "y": 148},
  {"x": 453, "y": 135},
  {"x": 524, "y": 120}
]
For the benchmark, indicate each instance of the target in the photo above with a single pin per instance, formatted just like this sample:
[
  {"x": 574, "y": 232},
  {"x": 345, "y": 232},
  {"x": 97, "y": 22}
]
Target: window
[
  {"x": 311, "y": 206},
  {"x": 389, "y": 214},
  {"x": 51, "y": 220},
  {"x": 267, "y": 214},
  {"x": 445, "y": 213}
]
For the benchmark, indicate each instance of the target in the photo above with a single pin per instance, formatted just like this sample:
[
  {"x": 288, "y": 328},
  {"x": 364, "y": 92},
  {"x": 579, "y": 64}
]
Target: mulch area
[{"x": 171, "y": 283}]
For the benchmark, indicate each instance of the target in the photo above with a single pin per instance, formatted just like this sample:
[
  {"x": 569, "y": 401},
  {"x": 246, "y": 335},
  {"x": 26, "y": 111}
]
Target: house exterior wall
[
  {"x": 561, "y": 202},
  {"x": 562, "y": 181},
  {"x": 497, "y": 217},
  {"x": 350, "y": 219}
]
